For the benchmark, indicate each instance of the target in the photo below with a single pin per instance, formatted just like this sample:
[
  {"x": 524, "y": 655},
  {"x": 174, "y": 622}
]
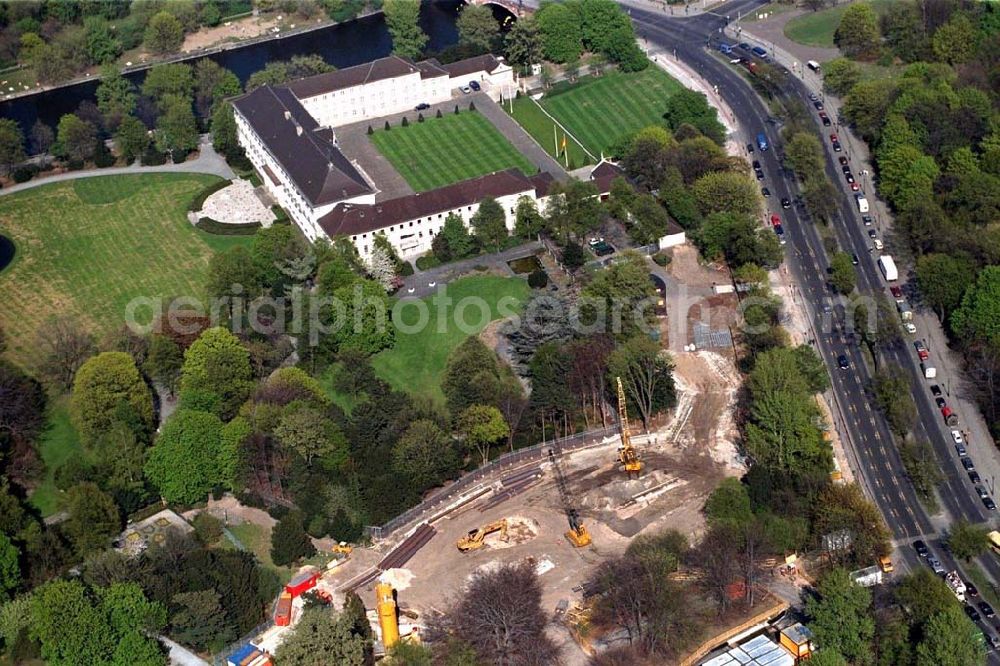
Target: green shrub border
[
  {"x": 210, "y": 226},
  {"x": 199, "y": 199}
]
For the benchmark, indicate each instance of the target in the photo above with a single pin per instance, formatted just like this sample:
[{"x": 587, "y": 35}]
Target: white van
[
  {"x": 862, "y": 203},
  {"x": 813, "y": 65}
]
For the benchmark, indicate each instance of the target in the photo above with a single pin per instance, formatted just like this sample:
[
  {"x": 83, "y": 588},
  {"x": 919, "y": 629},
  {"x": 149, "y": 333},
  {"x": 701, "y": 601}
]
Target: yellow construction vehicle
[
  {"x": 342, "y": 548},
  {"x": 577, "y": 534},
  {"x": 475, "y": 539},
  {"x": 385, "y": 603},
  {"x": 627, "y": 455}
]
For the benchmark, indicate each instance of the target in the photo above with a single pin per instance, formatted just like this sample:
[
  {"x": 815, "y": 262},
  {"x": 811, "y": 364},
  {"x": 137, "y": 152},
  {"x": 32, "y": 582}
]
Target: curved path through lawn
[{"x": 208, "y": 161}]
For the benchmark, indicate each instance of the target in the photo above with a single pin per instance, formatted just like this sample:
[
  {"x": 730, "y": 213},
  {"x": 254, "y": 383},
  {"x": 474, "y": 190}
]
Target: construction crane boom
[
  {"x": 627, "y": 455},
  {"x": 577, "y": 534}
]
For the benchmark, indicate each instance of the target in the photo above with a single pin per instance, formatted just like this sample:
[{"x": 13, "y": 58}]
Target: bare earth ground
[{"x": 244, "y": 28}]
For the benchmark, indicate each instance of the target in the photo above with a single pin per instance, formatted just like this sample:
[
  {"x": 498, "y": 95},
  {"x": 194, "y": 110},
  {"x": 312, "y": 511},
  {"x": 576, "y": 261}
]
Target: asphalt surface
[{"x": 868, "y": 434}]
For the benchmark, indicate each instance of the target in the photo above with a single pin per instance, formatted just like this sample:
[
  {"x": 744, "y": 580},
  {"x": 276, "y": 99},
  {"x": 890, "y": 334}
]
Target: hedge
[
  {"x": 210, "y": 226},
  {"x": 199, "y": 200},
  {"x": 427, "y": 261}
]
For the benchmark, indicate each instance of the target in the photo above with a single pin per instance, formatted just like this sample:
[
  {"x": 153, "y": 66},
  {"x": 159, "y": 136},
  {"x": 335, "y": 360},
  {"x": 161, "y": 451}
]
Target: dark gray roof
[
  {"x": 483, "y": 63},
  {"x": 376, "y": 70},
  {"x": 306, "y": 152},
  {"x": 353, "y": 219}
]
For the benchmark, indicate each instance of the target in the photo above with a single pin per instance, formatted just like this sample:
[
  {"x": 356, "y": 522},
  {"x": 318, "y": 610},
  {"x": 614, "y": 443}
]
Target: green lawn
[
  {"x": 601, "y": 110},
  {"x": 530, "y": 116},
  {"x": 345, "y": 401},
  {"x": 86, "y": 248},
  {"x": 441, "y": 151},
  {"x": 817, "y": 28},
  {"x": 417, "y": 361},
  {"x": 58, "y": 444},
  {"x": 257, "y": 539}
]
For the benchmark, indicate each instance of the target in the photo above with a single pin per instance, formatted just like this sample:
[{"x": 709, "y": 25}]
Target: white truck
[
  {"x": 862, "y": 203},
  {"x": 888, "y": 268},
  {"x": 867, "y": 577},
  {"x": 956, "y": 585}
]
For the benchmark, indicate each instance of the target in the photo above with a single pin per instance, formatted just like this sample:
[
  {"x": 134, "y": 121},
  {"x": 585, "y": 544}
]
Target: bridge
[{"x": 516, "y": 7}]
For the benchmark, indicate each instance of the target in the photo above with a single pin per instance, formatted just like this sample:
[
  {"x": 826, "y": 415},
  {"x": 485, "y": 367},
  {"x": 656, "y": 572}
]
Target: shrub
[
  {"x": 24, "y": 174},
  {"x": 472, "y": 106},
  {"x": 439, "y": 114},
  {"x": 74, "y": 165},
  {"x": 405, "y": 123},
  {"x": 538, "y": 279},
  {"x": 153, "y": 157},
  {"x": 456, "y": 109},
  {"x": 239, "y": 162},
  {"x": 179, "y": 155},
  {"x": 103, "y": 157},
  {"x": 661, "y": 259},
  {"x": 207, "y": 527},
  {"x": 370, "y": 130},
  {"x": 199, "y": 200},
  {"x": 406, "y": 269},
  {"x": 280, "y": 216},
  {"x": 387, "y": 128},
  {"x": 420, "y": 117},
  {"x": 427, "y": 261},
  {"x": 210, "y": 226}
]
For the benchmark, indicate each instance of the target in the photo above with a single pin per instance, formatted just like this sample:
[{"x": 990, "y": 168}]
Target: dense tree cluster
[
  {"x": 567, "y": 29},
  {"x": 933, "y": 132}
]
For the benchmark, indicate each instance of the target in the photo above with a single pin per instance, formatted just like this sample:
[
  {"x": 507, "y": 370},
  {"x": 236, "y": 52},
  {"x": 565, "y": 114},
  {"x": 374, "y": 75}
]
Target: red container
[
  {"x": 283, "y": 613},
  {"x": 302, "y": 583}
]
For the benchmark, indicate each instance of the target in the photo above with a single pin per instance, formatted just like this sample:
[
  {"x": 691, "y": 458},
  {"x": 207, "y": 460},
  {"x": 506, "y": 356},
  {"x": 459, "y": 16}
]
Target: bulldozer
[
  {"x": 342, "y": 548},
  {"x": 627, "y": 455},
  {"x": 476, "y": 538}
]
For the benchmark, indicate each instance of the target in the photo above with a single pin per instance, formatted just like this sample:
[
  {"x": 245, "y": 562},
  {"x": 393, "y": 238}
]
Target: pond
[
  {"x": 7, "y": 251},
  {"x": 525, "y": 265}
]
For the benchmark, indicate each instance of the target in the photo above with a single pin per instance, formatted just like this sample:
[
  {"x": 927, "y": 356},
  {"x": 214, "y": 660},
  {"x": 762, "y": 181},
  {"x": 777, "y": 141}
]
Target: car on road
[
  {"x": 843, "y": 362},
  {"x": 843, "y": 160},
  {"x": 825, "y": 119},
  {"x": 848, "y": 176},
  {"x": 940, "y": 402},
  {"x": 897, "y": 292},
  {"x": 846, "y": 169},
  {"x": 972, "y": 613},
  {"x": 775, "y": 220},
  {"x": 465, "y": 90},
  {"x": 936, "y": 391},
  {"x": 936, "y": 565},
  {"x": 867, "y": 219},
  {"x": 786, "y": 202},
  {"x": 921, "y": 548},
  {"x": 756, "y": 164},
  {"x": 989, "y": 504},
  {"x": 873, "y": 235},
  {"x": 813, "y": 96},
  {"x": 423, "y": 106},
  {"x": 909, "y": 327},
  {"x": 921, "y": 350},
  {"x": 878, "y": 244},
  {"x": 971, "y": 590},
  {"x": 956, "y": 435},
  {"x": 968, "y": 464},
  {"x": 749, "y": 147},
  {"x": 995, "y": 642},
  {"x": 759, "y": 174},
  {"x": 766, "y": 192},
  {"x": 960, "y": 450},
  {"x": 974, "y": 477},
  {"x": 818, "y": 104},
  {"x": 982, "y": 492},
  {"x": 854, "y": 259},
  {"x": 475, "y": 85},
  {"x": 855, "y": 187},
  {"x": 836, "y": 146},
  {"x": 745, "y": 46},
  {"x": 986, "y": 610},
  {"x": 759, "y": 51}
]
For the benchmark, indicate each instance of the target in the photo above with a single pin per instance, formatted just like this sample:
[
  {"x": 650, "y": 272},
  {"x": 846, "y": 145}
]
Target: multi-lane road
[{"x": 867, "y": 433}]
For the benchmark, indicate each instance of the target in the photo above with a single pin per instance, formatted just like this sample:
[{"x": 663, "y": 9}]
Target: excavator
[
  {"x": 627, "y": 455},
  {"x": 475, "y": 539},
  {"x": 577, "y": 534}
]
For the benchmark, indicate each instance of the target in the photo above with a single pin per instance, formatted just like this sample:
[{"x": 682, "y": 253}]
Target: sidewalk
[{"x": 208, "y": 161}]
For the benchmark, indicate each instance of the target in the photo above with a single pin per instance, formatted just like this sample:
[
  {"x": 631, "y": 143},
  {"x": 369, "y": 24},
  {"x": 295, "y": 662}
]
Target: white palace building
[{"x": 288, "y": 132}]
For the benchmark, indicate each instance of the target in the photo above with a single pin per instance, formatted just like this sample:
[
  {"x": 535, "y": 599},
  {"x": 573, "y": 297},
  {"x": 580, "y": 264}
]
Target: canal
[{"x": 342, "y": 45}]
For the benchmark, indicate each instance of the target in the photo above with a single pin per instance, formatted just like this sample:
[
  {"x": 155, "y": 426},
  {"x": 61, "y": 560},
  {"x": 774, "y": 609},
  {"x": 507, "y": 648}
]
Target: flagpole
[
  {"x": 565, "y": 151},
  {"x": 555, "y": 140}
]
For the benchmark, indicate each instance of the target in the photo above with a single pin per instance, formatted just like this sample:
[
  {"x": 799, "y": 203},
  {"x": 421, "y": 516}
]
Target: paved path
[
  {"x": 208, "y": 161},
  {"x": 180, "y": 655},
  {"x": 354, "y": 142}
]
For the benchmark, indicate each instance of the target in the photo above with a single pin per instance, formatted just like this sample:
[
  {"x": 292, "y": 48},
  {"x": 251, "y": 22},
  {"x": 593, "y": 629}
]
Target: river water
[{"x": 341, "y": 45}]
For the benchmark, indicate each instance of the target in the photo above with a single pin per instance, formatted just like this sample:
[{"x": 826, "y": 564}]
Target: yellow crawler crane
[
  {"x": 385, "y": 604},
  {"x": 627, "y": 455},
  {"x": 475, "y": 539},
  {"x": 577, "y": 534}
]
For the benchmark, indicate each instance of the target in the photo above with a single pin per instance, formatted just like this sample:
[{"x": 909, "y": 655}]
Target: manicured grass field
[
  {"x": 417, "y": 361},
  {"x": 86, "y": 248},
  {"x": 600, "y": 110},
  {"x": 530, "y": 116},
  {"x": 257, "y": 539},
  {"x": 441, "y": 151},
  {"x": 818, "y": 28},
  {"x": 59, "y": 443}
]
